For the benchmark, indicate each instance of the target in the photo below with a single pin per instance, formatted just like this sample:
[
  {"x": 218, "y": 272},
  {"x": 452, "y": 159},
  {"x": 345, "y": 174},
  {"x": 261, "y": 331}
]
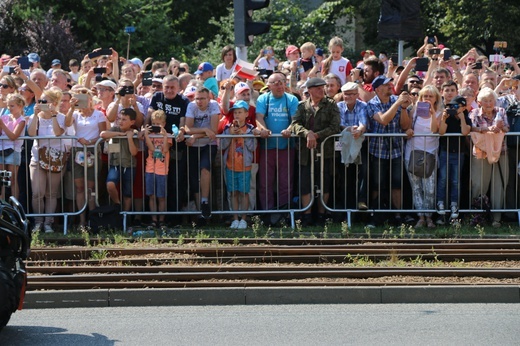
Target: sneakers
[
  {"x": 234, "y": 224},
  {"x": 454, "y": 211},
  {"x": 440, "y": 208},
  {"x": 205, "y": 209},
  {"x": 496, "y": 224},
  {"x": 242, "y": 224},
  {"x": 440, "y": 221},
  {"x": 37, "y": 228},
  {"x": 362, "y": 206},
  {"x": 48, "y": 229}
]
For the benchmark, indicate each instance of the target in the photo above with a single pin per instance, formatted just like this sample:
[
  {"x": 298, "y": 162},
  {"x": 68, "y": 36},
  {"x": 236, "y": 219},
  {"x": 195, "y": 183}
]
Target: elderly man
[
  {"x": 273, "y": 116},
  {"x": 387, "y": 114},
  {"x": 316, "y": 119}
]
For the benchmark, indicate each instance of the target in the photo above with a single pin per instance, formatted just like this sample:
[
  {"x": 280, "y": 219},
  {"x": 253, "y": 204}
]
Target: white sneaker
[
  {"x": 37, "y": 228},
  {"x": 440, "y": 208},
  {"x": 235, "y": 224},
  {"x": 48, "y": 229},
  {"x": 242, "y": 224},
  {"x": 454, "y": 211}
]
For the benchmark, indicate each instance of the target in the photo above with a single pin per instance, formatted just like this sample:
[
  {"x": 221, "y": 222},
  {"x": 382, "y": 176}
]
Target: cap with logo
[{"x": 203, "y": 67}]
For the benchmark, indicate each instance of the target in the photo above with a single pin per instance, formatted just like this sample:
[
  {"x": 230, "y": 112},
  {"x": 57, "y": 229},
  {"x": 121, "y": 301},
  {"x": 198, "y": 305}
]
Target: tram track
[{"x": 258, "y": 265}]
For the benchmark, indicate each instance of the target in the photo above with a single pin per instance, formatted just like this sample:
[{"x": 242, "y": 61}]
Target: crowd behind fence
[{"x": 352, "y": 197}]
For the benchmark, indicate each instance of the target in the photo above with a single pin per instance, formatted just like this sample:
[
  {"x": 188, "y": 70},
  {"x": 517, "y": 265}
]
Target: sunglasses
[
  {"x": 415, "y": 82},
  {"x": 414, "y": 94},
  {"x": 277, "y": 82},
  {"x": 5, "y": 86},
  {"x": 42, "y": 101}
]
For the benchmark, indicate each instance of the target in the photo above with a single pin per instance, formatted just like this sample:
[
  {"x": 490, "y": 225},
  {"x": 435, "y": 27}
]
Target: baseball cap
[
  {"x": 458, "y": 100},
  {"x": 291, "y": 49},
  {"x": 380, "y": 80},
  {"x": 349, "y": 86},
  {"x": 136, "y": 61},
  {"x": 319, "y": 51},
  {"x": 517, "y": 77},
  {"x": 241, "y": 86},
  {"x": 190, "y": 90},
  {"x": 33, "y": 57},
  {"x": 258, "y": 82},
  {"x": 56, "y": 62},
  {"x": 240, "y": 104},
  {"x": 203, "y": 67},
  {"x": 368, "y": 51},
  {"x": 108, "y": 83}
]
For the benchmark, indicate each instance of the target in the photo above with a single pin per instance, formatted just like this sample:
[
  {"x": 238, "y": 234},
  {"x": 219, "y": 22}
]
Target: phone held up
[
  {"x": 155, "y": 129},
  {"x": 423, "y": 109}
]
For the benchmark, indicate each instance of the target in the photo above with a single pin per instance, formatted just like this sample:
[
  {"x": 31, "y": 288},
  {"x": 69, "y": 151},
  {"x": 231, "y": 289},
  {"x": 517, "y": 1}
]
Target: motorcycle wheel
[{"x": 8, "y": 297}]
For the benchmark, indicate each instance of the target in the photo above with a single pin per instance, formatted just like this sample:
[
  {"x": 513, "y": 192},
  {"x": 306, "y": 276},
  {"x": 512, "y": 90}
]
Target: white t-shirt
[
  {"x": 264, "y": 64},
  {"x": 340, "y": 69},
  {"x": 223, "y": 73},
  {"x": 45, "y": 129},
  {"x": 87, "y": 127},
  {"x": 202, "y": 119},
  {"x": 418, "y": 142}
]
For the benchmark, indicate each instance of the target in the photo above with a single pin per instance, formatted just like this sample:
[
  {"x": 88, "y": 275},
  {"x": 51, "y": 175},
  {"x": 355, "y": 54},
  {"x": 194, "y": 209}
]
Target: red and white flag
[{"x": 244, "y": 69}]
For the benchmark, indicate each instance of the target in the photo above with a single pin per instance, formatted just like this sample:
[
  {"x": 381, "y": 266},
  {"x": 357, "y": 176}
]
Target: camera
[
  {"x": 155, "y": 129},
  {"x": 182, "y": 69},
  {"x": 147, "y": 78},
  {"x": 452, "y": 109},
  {"x": 9, "y": 69},
  {"x": 478, "y": 65},
  {"x": 45, "y": 107},
  {"x": 126, "y": 90},
  {"x": 100, "y": 70},
  {"x": 434, "y": 51}
]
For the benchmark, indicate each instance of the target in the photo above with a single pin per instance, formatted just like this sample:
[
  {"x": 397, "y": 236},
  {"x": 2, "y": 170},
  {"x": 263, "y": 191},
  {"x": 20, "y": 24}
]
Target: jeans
[{"x": 449, "y": 164}]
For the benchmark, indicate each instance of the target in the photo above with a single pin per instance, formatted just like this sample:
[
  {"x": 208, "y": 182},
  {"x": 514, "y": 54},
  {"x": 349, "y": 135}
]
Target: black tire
[{"x": 8, "y": 297}]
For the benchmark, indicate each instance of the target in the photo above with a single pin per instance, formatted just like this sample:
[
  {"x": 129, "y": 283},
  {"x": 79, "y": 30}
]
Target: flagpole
[{"x": 241, "y": 53}]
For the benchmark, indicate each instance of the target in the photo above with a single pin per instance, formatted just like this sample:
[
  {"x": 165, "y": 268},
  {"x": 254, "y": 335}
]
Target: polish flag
[{"x": 244, "y": 69}]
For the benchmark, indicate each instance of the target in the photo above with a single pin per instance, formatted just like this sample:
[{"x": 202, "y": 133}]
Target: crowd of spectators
[{"x": 161, "y": 121}]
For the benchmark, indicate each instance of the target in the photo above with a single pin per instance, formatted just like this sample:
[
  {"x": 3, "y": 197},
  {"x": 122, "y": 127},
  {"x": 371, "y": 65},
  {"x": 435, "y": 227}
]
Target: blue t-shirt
[{"x": 277, "y": 116}]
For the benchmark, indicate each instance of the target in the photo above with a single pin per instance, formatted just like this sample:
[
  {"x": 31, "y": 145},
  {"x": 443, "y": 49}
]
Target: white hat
[
  {"x": 349, "y": 86},
  {"x": 108, "y": 83},
  {"x": 241, "y": 86}
]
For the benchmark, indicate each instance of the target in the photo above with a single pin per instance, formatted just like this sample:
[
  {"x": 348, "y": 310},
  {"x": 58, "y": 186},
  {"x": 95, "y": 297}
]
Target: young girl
[
  {"x": 157, "y": 164},
  {"x": 335, "y": 63},
  {"x": 12, "y": 126},
  {"x": 266, "y": 62}
]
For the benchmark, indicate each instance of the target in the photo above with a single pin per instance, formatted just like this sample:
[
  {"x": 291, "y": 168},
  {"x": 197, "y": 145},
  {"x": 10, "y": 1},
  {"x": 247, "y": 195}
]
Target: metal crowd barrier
[{"x": 344, "y": 192}]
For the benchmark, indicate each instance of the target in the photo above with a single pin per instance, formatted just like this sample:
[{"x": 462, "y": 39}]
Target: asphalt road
[{"x": 356, "y": 324}]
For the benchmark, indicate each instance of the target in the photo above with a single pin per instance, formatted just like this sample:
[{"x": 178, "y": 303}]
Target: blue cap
[
  {"x": 380, "y": 80},
  {"x": 203, "y": 67},
  {"x": 33, "y": 57},
  {"x": 319, "y": 51},
  {"x": 56, "y": 62},
  {"x": 240, "y": 104}
]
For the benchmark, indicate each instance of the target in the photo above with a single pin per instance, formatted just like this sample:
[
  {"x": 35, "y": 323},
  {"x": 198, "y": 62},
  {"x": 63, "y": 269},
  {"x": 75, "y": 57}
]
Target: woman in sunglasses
[
  {"x": 7, "y": 87},
  {"x": 46, "y": 123}
]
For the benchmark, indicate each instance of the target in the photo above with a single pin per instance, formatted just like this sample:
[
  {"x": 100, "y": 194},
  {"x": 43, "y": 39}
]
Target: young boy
[
  {"x": 238, "y": 156},
  {"x": 122, "y": 162},
  {"x": 157, "y": 164},
  {"x": 308, "y": 49}
]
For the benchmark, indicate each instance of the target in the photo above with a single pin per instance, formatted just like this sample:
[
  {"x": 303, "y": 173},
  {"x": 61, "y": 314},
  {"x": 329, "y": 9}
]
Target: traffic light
[{"x": 245, "y": 28}]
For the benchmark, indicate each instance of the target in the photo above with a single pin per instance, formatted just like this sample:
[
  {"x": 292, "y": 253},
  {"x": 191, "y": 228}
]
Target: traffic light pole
[{"x": 241, "y": 53}]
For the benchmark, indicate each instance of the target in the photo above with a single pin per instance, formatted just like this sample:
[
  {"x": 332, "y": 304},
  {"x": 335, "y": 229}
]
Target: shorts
[
  {"x": 201, "y": 157},
  {"x": 79, "y": 170},
  {"x": 238, "y": 181},
  {"x": 382, "y": 170},
  {"x": 155, "y": 185},
  {"x": 127, "y": 174},
  {"x": 14, "y": 159}
]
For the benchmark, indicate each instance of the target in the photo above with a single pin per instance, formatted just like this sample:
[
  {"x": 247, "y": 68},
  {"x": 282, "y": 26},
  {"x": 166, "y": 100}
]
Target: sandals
[
  {"x": 430, "y": 223},
  {"x": 421, "y": 223}
]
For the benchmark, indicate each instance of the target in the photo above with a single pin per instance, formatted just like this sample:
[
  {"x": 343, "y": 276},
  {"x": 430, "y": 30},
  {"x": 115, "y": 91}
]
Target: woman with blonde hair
[
  {"x": 47, "y": 124},
  {"x": 425, "y": 121}
]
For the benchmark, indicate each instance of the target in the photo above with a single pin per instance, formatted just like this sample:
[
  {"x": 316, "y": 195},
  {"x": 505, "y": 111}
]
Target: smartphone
[
  {"x": 24, "y": 62},
  {"x": 100, "y": 70},
  {"x": 421, "y": 64},
  {"x": 82, "y": 100},
  {"x": 182, "y": 69},
  {"x": 394, "y": 58},
  {"x": 404, "y": 89},
  {"x": 496, "y": 58},
  {"x": 507, "y": 60},
  {"x": 478, "y": 65},
  {"x": 431, "y": 39},
  {"x": 434, "y": 51},
  {"x": 45, "y": 107},
  {"x": 106, "y": 51},
  {"x": 8, "y": 69},
  {"x": 447, "y": 54},
  {"x": 98, "y": 53},
  {"x": 235, "y": 123},
  {"x": 423, "y": 109},
  {"x": 155, "y": 129},
  {"x": 147, "y": 78}
]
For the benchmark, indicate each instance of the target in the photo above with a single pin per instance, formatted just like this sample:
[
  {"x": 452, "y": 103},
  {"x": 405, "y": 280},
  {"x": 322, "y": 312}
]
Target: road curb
[{"x": 272, "y": 295}]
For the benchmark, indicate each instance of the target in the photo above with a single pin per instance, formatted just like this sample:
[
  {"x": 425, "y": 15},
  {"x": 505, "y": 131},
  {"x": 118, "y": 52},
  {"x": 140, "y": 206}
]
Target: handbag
[
  {"x": 84, "y": 156},
  {"x": 421, "y": 164},
  {"x": 51, "y": 159},
  {"x": 6, "y": 152}
]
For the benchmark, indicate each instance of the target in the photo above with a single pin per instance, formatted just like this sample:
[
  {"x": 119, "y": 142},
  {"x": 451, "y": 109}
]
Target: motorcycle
[{"x": 15, "y": 241}]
